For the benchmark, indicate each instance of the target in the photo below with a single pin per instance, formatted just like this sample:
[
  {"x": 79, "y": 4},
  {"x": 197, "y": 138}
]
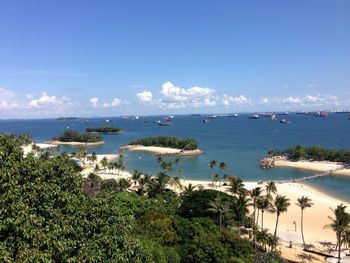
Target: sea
[{"x": 240, "y": 142}]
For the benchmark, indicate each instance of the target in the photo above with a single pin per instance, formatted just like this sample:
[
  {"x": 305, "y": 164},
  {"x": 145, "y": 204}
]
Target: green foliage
[
  {"x": 74, "y": 136},
  {"x": 104, "y": 129},
  {"x": 316, "y": 153},
  {"x": 164, "y": 141},
  {"x": 45, "y": 216}
]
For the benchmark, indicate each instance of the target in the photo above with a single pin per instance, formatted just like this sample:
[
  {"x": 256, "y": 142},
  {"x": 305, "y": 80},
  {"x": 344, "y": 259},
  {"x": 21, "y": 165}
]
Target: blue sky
[{"x": 107, "y": 58}]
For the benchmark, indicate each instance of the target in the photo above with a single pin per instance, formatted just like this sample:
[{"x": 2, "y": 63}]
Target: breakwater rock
[{"x": 269, "y": 162}]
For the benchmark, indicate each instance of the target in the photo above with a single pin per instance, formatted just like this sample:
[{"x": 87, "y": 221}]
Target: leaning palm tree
[
  {"x": 340, "y": 223},
  {"x": 303, "y": 202},
  {"x": 271, "y": 188},
  {"x": 220, "y": 207},
  {"x": 280, "y": 205}
]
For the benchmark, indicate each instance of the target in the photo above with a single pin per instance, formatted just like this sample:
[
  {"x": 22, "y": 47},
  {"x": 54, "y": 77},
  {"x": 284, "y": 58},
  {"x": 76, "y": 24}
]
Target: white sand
[
  {"x": 76, "y": 143},
  {"x": 43, "y": 146},
  {"x": 161, "y": 150},
  {"x": 315, "y": 166}
]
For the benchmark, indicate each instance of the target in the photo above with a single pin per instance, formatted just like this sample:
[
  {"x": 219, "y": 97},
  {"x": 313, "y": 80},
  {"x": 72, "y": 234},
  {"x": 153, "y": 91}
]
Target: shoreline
[
  {"x": 316, "y": 166},
  {"x": 314, "y": 230},
  {"x": 75, "y": 143},
  {"x": 161, "y": 150}
]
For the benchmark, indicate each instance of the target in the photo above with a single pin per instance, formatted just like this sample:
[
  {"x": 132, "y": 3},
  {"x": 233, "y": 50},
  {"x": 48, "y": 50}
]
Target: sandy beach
[
  {"x": 76, "y": 143},
  {"x": 315, "y": 218},
  {"x": 161, "y": 150},
  {"x": 29, "y": 147},
  {"x": 315, "y": 166}
]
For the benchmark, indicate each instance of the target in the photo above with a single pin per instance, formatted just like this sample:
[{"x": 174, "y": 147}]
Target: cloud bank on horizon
[{"x": 170, "y": 98}]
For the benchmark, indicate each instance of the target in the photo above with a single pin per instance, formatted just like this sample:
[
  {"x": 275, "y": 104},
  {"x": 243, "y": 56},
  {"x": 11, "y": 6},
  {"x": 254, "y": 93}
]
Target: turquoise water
[{"x": 239, "y": 142}]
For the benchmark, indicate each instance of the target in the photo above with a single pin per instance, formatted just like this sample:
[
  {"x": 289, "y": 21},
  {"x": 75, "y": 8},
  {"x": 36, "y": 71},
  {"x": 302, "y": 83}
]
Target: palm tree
[
  {"x": 256, "y": 192},
  {"x": 93, "y": 157},
  {"x": 82, "y": 152},
  {"x": 303, "y": 202},
  {"x": 220, "y": 207},
  {"x": 189, "y": 189},
  {"x": 340, "y": 224},
  {"x": 123, "y": 185},
  {"x": 237, "y": 185},
  {"x": 240, "y": 206},
  {"x": 93, "y": 178},
  {"x": 136, "y": 175},
  {"x": 216, "y": 179},
  {"x": 222, "y": 167},
  {"x": 264, "y": 205},
  {"x": 104, "y": 163},
  {"x": 212, "y": 165},
  {"x": 121, "y": 163},
  {"x": 176, "y": 182},
  {"x": 271, "y": 188},
  {"x": 280, "y": 205}
]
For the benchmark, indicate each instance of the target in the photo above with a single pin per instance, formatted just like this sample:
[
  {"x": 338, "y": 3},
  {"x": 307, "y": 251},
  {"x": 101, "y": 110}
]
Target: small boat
[
  {"x": 273, "y": 117},
  {"x": 283, "y": 121},
  {"x": 136, "y": 118},
  {"x": 211, "y": 117},
  {"x": 254, "y": 116},
  {"x": 232, "y": 115}
]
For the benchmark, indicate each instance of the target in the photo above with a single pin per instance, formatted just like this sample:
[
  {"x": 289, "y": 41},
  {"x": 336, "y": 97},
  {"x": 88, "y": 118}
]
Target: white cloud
[
  {"x": 145, "y": 97},
  {"x": 46, "y": 100},
  {"x": 264, "y": 101},
  {"x": 234, "y": 100},
  {"x": 94, "y": 102},
  {"x": 175, "y": 97},
  {"x": 116, "y": 102},
  {"x": 292, "y": 100}
]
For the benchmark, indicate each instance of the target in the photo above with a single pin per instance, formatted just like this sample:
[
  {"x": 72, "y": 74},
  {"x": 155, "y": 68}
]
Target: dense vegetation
[
  {"x": 165, "y": 141},
  {"x": 316, "y": 153},
  {"x": 74, "y": 136},
  {"x": 46, "y": 216},
  {"x": 104, "y": 129}
]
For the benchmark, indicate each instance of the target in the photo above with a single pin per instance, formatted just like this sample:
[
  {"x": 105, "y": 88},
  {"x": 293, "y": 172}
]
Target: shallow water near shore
[{"x": 239, "y": 142}]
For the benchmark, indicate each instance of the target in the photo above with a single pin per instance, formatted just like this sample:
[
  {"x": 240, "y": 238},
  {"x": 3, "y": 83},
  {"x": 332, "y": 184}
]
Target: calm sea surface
[{"x": 239, "y": 142}]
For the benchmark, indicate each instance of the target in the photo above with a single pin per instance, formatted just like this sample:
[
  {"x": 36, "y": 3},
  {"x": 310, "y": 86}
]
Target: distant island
[
  {"x": 67, "y": 118},
  {"x": 75, "y": 138},
  {"x": 314, "y": 158},
  {"x": 164, "y": 145},
  {"x": 104, "y": 129},
  {"x": 313, "y": 153}
]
